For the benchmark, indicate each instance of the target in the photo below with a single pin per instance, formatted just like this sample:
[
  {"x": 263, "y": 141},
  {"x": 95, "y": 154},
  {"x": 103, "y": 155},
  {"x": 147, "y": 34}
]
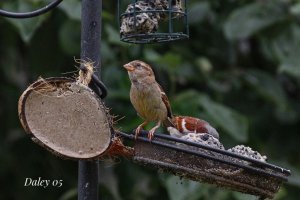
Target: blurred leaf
[
  {"x": 295, "y": 9},
  {"x": 106, "y": 51},
  {"x": 72, "y": 8},
  {"x": 234, "y": 123},
  {"x": 267, "y": 87},
  {"x": 291, "y": 66},
  {"x": 199, "y": 11},
  {"x": 143, "y": 185},
  {"x": 69, "y": 36},
  {"x": 284, "y": 48},
  {"x": 170, "y": 61},
  {"x": 294, "y": 179},
  {"x": 181, "y": 189},
  {"x": 242, "y": 196},
  {"x": 180, "y": 105},
  {"x": 26, "y": 27},
  {"x": 287, "y": 47},
  {"x": 110, "y": 181},
  {"x": 106, "y": 15},
  {"x": 251, "y": 18},
  {"x": 204, "y": 64},
  {"x": 113, "y": 35},
  {"x": 151, "y": 55},
  {"x": 281, "y": 194},
  {"x": 116, "y": 76},
  {"x": 69, "y": 194},
  {"x": 271, "y": 90}
]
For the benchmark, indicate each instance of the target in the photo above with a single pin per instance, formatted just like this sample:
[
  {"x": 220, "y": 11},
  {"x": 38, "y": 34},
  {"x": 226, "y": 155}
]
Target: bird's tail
[{"x": 168, "y": 122}]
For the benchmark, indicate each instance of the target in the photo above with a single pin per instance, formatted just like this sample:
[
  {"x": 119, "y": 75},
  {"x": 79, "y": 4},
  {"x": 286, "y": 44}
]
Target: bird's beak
[{"x": 128, "y": 67}]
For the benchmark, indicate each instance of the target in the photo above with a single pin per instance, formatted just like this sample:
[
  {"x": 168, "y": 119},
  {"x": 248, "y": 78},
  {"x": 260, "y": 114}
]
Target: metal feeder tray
[
  {"x": 169, "y": 34},
  {"x": 203, "y": 163}
]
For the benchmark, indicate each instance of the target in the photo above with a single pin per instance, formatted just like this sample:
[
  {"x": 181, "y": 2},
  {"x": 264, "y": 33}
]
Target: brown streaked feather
[
  {"x": 166, "y": 101},
  {"x": 168, "y": 122}
]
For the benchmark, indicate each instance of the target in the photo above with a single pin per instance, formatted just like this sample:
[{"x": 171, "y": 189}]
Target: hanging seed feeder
[
  {"x": 208, "y": 164},
  {"x": 152, "y": 21}
]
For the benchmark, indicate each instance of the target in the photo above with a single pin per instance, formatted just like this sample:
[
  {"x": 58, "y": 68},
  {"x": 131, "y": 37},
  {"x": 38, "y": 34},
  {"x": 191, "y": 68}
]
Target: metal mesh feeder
[
  {"x": 204, "y": 163},
  {"x": 152, "y": 21}
]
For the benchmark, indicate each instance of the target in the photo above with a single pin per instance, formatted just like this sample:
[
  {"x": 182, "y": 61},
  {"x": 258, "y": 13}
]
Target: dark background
[{"x": 239, "y": 70}]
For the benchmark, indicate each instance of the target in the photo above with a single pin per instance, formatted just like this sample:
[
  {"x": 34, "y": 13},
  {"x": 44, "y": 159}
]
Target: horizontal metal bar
[
  {"x": 153, "y": 37},
  {"x": 153, "y": 11},
  {"x": 177, "y": 34}
]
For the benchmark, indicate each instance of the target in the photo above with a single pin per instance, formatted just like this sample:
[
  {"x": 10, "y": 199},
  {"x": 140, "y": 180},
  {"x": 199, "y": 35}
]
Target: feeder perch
[
  {"x": 152, "y": 21},
  {"x": 207, "y": 164},
  {"x": 65, "y": 117}
]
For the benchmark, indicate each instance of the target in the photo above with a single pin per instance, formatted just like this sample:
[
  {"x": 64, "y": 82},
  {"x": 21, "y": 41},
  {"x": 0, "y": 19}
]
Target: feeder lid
[{"x": 66, "y": 118}]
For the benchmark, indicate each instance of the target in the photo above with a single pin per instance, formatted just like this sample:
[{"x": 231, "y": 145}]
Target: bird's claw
[
  {"x": 151, "y": 132},
  {"x": 138, "y": 129},
  {"x": 137, "y": 132},
  {"x": 150, "y": 135}
]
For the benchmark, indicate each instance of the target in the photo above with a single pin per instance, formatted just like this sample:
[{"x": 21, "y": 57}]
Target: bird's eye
[{"x": 138, "y": 65}]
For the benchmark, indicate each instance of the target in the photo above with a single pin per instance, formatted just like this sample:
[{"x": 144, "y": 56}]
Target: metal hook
[{"x": 32, "y": 13}]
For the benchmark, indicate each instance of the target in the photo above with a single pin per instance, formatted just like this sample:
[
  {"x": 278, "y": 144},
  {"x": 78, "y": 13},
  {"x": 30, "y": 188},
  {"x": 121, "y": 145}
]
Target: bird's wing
[{"x": 166, "y": 101}]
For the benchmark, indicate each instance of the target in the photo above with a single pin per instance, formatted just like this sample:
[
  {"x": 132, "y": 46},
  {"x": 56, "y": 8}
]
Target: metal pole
[
  {"x": 88, "y": 180},
  {"x": 91, "y": 21},
  {"x": 88, "y": 171}
]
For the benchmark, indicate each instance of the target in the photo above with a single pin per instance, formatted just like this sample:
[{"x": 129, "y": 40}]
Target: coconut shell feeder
[
  {"x": 67, "y": 117},
  {"x": 208, "y": 164}
]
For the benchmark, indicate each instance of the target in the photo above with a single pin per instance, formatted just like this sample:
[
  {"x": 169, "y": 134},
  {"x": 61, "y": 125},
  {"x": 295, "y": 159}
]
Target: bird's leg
[
  {"x": 152, "y": 130},
  {"x": 138, "y": 129}
]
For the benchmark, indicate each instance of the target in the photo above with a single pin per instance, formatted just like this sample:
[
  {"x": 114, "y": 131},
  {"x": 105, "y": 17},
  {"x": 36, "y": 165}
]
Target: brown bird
[
  {"x": 147, "y": 97},
  {"x": 187, "y": 124}
]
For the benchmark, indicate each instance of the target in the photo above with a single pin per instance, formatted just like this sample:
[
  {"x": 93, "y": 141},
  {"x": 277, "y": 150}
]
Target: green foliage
[
  {"x": 230, "y": 121},
  {"x": 284, "y": 48},
  {"x": 239, "y": 71},
  {"x": 252, "y": 18},
  {"x": 69, "y": 34},
  {"x": 72, "y": 9},
  {"x": 182, "y": 189},
  {"x": 25, "y": 27}
]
